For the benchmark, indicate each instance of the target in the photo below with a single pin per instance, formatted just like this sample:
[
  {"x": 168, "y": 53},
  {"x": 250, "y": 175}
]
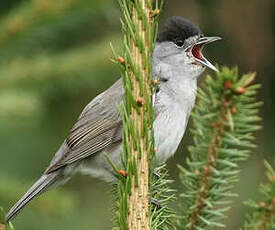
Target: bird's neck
[
  {"x": 182, "y": 90},
  {"x": 179, "y": 84}
]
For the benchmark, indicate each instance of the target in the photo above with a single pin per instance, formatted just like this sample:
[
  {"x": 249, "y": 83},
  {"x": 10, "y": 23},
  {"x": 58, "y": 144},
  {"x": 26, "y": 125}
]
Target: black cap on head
[{"x": 177, "y": 28}]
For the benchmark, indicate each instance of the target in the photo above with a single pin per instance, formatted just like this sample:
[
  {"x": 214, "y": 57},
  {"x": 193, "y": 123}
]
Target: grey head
[{"x": 179, "y": 44}]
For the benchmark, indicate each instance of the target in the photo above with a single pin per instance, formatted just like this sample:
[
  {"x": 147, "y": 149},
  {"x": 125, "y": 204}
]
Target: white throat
[{"x": 173, "y": 104}]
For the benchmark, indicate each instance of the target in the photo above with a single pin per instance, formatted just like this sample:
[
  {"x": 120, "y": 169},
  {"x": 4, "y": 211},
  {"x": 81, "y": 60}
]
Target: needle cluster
[
  {"x": 262, "y": 216},
  {"x": 224, "y": 120}
]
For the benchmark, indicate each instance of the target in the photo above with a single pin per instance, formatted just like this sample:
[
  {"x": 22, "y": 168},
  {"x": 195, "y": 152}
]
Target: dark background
[{"x": 55, "y": 57}]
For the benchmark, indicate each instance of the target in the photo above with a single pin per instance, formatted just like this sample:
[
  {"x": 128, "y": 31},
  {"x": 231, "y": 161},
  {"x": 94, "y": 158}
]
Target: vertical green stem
[{"x": 138, "y": 22}]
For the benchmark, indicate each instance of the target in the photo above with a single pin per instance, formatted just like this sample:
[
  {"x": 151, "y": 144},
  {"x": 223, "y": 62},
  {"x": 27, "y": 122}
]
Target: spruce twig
[
  {"x": 223, "y": 122},
  {"x": 25, "y": 16},
  {"x": 162, "y": 217},
  {"x": 138, "y": 24},
  {"x": 263, "y": 215}
]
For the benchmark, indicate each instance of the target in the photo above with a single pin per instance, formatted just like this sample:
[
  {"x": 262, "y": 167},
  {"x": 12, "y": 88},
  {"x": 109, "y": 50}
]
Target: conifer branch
[
  {"x": 61, "y": 66},
  {"x": 138, "y": 217},
  {"x": 223, "y": 121},
  {"x": 44, "y": 25},
  {"x": 263, "y": 215},
  {"x": 138, "y": 23},
  {"x": 162, "y": 216},
  {"x": 26, "y": 15}
]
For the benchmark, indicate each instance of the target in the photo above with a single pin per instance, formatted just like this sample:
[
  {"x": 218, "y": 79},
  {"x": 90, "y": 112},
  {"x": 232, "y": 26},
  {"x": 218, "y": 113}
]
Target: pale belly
[{"x": 169, "y": 130}]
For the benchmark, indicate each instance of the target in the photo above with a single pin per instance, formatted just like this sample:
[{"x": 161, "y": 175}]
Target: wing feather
[{"x": 98, "y": 127}]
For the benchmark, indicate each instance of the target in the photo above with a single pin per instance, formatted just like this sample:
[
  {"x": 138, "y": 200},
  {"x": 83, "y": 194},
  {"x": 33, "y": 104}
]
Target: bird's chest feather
[
  {"x": 168, "y": 134},
  {"x": 173, "y": 108},
  {"x": 169, "y": 128}
]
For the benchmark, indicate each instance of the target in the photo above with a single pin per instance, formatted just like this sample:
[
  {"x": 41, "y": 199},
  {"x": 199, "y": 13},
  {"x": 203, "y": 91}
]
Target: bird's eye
[{"x": 179, "y": 43}]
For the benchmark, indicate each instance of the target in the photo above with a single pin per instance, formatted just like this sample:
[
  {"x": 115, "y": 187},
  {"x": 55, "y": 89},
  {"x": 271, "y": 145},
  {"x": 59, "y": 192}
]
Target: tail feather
[{"x": 43, "y": 183}]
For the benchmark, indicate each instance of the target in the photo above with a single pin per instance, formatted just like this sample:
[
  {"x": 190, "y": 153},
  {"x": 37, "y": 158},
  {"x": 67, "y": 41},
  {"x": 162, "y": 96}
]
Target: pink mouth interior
[{"x": 196, "y": 51}]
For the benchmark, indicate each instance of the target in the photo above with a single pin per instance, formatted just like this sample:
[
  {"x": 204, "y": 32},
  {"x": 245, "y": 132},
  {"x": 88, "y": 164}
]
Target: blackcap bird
[{"x": 178, "y": 62}]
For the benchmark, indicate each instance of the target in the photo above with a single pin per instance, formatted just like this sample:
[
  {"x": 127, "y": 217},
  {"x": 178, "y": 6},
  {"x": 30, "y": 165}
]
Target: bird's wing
[{"x": 98, "y": 127}]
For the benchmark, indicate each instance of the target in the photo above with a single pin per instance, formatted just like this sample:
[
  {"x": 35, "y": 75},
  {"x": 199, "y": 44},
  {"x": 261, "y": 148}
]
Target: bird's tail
[{"x": 39, "y": 187}]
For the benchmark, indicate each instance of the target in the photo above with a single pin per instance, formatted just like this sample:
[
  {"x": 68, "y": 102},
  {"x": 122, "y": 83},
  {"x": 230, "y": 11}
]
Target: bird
[{"x": 178, "y": 62}]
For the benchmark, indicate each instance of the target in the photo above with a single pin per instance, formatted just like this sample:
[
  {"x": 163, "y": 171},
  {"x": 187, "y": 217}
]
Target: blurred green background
[{"x": 55, "y": 57}]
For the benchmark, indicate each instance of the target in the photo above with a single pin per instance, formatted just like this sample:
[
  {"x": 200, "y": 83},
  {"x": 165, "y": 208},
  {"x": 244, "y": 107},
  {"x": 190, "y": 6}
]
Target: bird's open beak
[{"x": 197, "y": 51}]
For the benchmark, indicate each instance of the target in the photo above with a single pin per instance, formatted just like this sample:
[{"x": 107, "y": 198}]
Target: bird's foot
[{"x": 155, "y": 203}]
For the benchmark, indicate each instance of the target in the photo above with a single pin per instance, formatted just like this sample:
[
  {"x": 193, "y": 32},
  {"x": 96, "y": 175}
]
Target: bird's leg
[
  {"x": 156, "y": 174},
  {"x": 155, "y": 203}
]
